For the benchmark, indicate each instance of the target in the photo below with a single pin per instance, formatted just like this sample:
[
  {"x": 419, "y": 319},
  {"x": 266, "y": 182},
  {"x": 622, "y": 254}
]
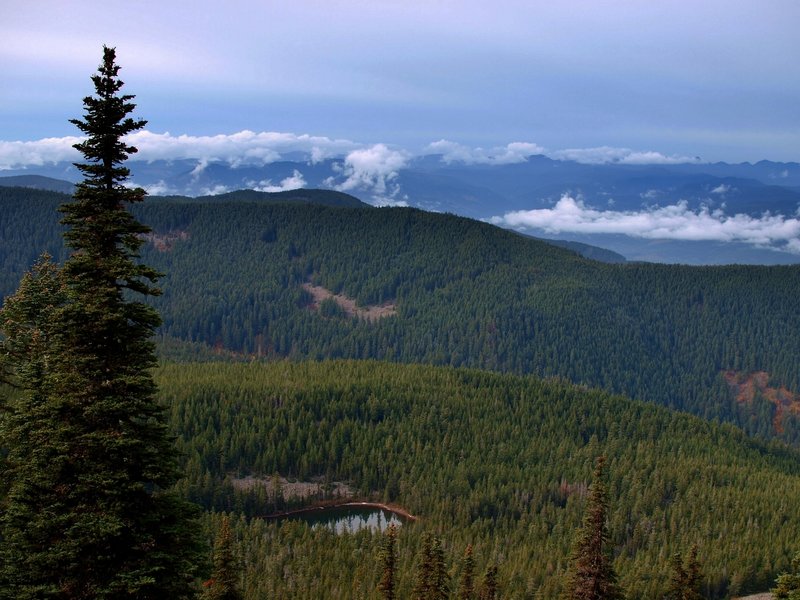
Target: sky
[{"x": 631, "y": 80}]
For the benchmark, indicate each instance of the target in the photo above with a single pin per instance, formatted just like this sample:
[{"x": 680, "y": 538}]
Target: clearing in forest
[{"x": 348, "y": 305}]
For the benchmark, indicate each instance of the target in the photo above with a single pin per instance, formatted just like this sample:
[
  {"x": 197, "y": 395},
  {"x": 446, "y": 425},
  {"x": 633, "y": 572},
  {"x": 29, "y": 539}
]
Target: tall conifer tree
[
  {"x": 386, "y": 586},
  {"x": 224, "y": 582},
  {"x": 104, "y": 524},
  {"x": 592, "y": 575}
]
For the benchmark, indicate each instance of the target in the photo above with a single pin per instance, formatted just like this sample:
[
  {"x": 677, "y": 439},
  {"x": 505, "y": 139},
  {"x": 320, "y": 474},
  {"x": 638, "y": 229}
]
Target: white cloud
[
  {"x": 243, "y": 147},
  {"x": 515, "y": 152},
  {"x": 215, "y": 190},
  {"x": 721, "y": 189},
  {"x": 249, "y": 148},
  {"x": 160, "y": 188},
  {"x": 675, "y": 222},
  {"x": 625, "y": 156},
  {"x": 374, "y": 170},
  {"x": 296, "y": 181},
  {"x": 37, "y": 153}
]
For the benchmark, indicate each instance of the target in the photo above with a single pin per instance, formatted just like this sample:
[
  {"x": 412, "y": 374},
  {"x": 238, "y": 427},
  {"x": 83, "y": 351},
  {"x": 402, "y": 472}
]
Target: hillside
[
  {"x": 499, "y": 461},
  {"x": 464, "y": 293}
]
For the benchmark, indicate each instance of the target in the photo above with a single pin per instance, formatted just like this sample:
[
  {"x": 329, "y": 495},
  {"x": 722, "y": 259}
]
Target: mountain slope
[
  {"x": 240, "y": 278},
  {"x": 498, "y": 461}
]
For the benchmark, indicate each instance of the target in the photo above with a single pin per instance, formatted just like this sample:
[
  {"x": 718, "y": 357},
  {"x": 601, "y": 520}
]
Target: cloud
[
  {"x": 373, "y": 170},
  {"x": 676, "y": 222},
  {"x": 37, "y": 153},
  {"x": 296, "y": 181},
  {"x": 258, "y": 148},
  {"x": 721, "y": 189},
  {"x": 515, "y": 152},
  {"x": 160, "y": 188},
  {"x": 241, "y": 148},
  {"x": 624, "y": 156},
  {"x": 215, "y": 190}
]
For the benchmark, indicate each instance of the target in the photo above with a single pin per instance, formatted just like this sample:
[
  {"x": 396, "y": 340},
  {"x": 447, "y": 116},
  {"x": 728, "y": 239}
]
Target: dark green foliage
[
  {"x": 592, "y": 575},
  {"x": 301, "y": 196},
  {"x": 224, "y": 582},
  {"x": 423, "y": 583},
  {"x": 467, "y": 294},
  {"x": 687, "y": 578},
  {"x": 88, "y": 514},
  {"x": 787, "y": 585},
  {"x": 389, "y": 564},
  {"x": 494, "y": 460},
  {"x": 489, "y": 587},
  {"x": 432, "y": 581},
  {"x": 466, "y": 581},
  {"x": 330, "y": 308}
]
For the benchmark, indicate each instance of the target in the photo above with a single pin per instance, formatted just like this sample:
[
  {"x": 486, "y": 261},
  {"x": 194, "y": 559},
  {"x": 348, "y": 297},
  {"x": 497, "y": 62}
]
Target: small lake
[{"x": 348, "y": 518}]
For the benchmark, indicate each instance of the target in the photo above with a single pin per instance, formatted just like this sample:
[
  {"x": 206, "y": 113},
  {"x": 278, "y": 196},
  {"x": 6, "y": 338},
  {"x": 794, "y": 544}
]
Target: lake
[{"x": 348, "y": 518}]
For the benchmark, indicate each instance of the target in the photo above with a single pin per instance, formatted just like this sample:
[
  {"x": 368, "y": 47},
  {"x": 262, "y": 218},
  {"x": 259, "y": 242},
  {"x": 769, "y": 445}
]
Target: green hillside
[
  {"x": 498, "y": 461},
  {"x": 241, "y": 277}
]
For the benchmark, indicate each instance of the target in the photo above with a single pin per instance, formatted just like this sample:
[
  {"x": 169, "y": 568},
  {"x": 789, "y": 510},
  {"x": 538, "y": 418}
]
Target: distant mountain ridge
[
  {"x": 38, "y": 182},
  {"x": 485, "y": 191}
]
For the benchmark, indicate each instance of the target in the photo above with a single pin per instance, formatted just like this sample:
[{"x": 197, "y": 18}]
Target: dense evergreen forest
[
  {"x": 465, "y": 294},
  {"x": 498, "y": 461}
]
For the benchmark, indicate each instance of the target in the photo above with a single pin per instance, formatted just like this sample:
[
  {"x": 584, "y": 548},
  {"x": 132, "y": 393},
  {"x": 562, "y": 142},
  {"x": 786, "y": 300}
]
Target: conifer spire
[{"x": 592, "y": 576}]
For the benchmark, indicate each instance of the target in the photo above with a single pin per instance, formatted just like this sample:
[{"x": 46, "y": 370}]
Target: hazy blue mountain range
[{"x": 756, "y": 194}]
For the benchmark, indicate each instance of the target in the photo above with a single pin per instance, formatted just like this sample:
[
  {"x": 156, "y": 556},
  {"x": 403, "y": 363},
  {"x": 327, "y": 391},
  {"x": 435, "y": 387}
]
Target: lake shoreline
[{"x": 339, "y": 503}]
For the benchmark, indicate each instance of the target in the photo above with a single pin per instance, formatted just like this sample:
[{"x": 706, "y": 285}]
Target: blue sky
[{"x": 676, "y": 79}]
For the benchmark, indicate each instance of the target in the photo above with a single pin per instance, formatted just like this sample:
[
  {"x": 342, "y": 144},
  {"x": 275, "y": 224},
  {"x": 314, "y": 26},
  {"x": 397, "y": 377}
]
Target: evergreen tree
[
  {"x": 440, "y": 581},
  {"x": 29, "y": 431},
  {"x": 224, "y": 582},
  {"x": 489, "y": 585},
  {"x": 98, "y": 521},
  {"x": 466, "y": 583},
  {"x": 389, "y": 561},
  {"x": 787, "y": 585},
  {"x": 694, "y": 575},
  {"x": 686, "y": 577},
  {"x": 432, "y": 581},
  {"x": 424, "y": 577},
  {"x": 592, "y": 575}
]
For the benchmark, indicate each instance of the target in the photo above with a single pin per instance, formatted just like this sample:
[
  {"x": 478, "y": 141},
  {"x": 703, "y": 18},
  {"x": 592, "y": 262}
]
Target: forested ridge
[
  {"x": 466, "y": 293},
  {"x": 498, "y": 461}
]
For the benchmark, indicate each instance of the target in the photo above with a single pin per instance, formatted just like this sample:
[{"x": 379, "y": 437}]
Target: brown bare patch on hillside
[
  {"x": 294, "y": 490},
  {"x": 348, "y": 305},
  {"x": 747, "y": 386},
  {"x": 164, "y": 242}
]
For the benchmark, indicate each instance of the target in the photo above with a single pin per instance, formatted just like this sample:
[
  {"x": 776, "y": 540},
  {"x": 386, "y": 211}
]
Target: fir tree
[
  {"x": 440, "y": 581},
  {"x": 224, "y": 582},
  {"x": 592, "y": 575},
  {"x": 466, "y": 583},
  {"x": 389, "y": 563},
  {"x": 98, "y": 521},
  {"x": 787, "y": 585},
  {"x": 686, "y": 577},
  {"x": 489, "y": 585},
  {"x": 424, "y": 577},
  {"x": 432, "y": 581}
]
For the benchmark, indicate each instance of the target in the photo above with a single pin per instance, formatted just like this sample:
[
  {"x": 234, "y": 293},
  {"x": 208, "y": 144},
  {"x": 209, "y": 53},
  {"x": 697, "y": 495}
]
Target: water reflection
[{"x": 349, "y": 519}]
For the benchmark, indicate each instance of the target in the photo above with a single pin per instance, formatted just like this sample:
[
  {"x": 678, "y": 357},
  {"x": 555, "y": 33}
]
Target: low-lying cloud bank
[
  {"x": 674, "y": 222},
  {"x": 243, "y": 147},
  {"x": 249, "y": 147},
  {"x": 453, "y": 152}
]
